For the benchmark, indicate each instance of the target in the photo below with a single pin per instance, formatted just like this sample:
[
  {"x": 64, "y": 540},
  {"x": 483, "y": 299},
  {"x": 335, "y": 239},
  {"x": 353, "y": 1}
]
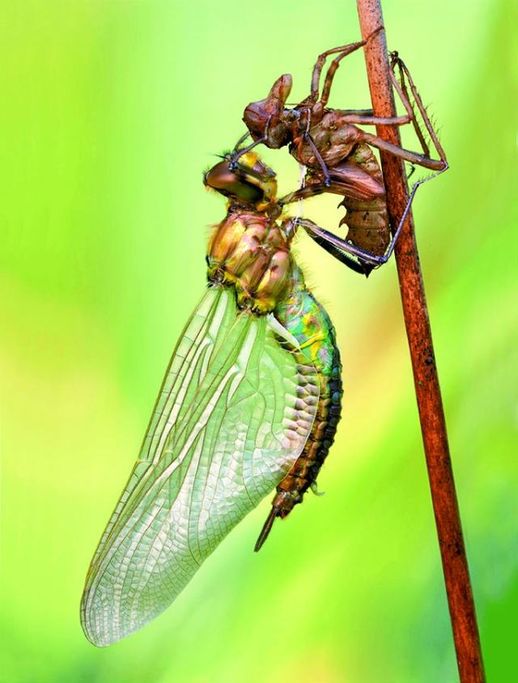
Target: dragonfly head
[
  {"x": 251, "y": 183},
  {"x": 266, "y": 119}
]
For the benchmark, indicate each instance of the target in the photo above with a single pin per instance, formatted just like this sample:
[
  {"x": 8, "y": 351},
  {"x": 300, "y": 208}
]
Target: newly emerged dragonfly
[{"x": 250, "y": 402}]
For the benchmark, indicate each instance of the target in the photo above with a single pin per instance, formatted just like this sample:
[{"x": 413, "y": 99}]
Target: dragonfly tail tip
[{"x": 265, "y": 531}]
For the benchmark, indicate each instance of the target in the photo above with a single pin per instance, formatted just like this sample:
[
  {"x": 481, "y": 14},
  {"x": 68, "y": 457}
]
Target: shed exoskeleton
[{"x": 339, "y": 158}]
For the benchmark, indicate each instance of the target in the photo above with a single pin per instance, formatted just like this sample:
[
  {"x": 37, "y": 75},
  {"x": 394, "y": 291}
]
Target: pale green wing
[
  {"x": 210, "y": 321},
  {"x": 229, "y": 423}
]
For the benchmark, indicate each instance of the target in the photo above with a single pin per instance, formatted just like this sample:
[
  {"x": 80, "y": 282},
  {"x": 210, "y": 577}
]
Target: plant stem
[{"x": 428, "y": 393}]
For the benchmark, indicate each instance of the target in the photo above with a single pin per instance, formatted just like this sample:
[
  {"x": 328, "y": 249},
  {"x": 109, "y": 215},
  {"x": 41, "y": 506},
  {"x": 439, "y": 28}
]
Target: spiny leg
[
  {"x": 341, "y": 249},
  {"x": 396, "y": 60},
  {"x": 342, "y": 52},
  {"x": 318, "y": 157},
  {"x": 243, "y": 137},
  {"x": 328, "y": 82},
  {"x": 319, "y": 65},
  {"x": 358, "y": 266},
  {"x": 404, "y": 215},
  {"x": 423, "y": 160},
  {"x": 439, "y": 166},
  {"x": 400, "y": 86},
  {"x": 308, "y": 191},
  {"x": 368, "y": 118},
  {"x": 315, "y": 150}
]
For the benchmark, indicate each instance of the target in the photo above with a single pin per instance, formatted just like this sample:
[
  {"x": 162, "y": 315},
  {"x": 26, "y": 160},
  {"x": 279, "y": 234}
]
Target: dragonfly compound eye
[
  {"x": 251, "y": 182},
  {"x": 233, "y": 183}
]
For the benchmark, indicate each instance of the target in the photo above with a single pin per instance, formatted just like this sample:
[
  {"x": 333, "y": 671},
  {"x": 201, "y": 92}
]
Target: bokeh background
[{"x": 111, "y": 110}]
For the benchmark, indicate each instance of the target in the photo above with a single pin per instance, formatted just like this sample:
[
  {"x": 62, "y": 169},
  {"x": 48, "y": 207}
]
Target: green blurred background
[{"x": 111, "y": 109}]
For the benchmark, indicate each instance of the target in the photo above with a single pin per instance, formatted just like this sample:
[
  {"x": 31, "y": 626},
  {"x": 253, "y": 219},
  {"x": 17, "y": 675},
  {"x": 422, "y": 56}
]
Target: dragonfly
[{"x": 250, "y": 404}]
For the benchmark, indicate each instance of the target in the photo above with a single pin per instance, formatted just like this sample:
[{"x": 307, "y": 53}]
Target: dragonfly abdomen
[
  {"x": 309, "y": 323},
  {"x": 305, "y": 470}
]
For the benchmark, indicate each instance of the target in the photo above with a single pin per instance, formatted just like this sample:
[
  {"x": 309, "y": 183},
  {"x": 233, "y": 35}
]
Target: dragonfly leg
[
  {"x": 402, "y": 87},
  {"x": 238, "y": 153},
  {"x": 364, "y": 261},
  {"x": 243, "y": 137},
  {"x": 439, "y": 165},
  {"x": 318, "y": 156},
  {"x": 341, "y": 52},
  {"x": 359, "y": 260},
  {"x": 403, "y": 218},
  {"x": 355, "y": 258},
  {"x": 342, "y": 254},
  {"x": 368, "y": 118}
]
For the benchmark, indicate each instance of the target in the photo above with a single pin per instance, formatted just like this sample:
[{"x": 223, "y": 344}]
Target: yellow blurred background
[{"x": 111, "y": 110}]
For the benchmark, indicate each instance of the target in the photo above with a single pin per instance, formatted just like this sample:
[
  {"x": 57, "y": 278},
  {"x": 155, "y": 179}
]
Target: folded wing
[{"x": 233, "y": 414}]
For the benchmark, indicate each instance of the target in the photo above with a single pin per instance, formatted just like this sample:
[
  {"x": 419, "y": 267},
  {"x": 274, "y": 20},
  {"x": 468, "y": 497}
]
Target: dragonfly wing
[
  {"x": 209, "y": 322},
  {"x": 229, "y": 423}
]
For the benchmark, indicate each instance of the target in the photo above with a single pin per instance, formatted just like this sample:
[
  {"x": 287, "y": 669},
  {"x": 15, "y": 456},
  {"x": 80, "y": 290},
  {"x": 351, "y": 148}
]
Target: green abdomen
[{"x": 308, "y": 322}]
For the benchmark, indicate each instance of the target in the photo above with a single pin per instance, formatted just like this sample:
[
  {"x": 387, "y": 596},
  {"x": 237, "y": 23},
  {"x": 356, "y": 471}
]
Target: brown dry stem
[{"x": 429, "y": 401}]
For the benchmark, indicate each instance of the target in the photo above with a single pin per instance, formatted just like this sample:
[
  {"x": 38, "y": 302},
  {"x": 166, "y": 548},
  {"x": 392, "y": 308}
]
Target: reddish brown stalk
[{"x": 428, "y": 393}]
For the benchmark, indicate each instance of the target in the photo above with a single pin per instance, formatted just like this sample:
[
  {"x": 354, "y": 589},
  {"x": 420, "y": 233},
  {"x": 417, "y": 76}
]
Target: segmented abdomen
[
  {"x": 367, "y": 219},
  {"x": 357, "y": 177},
  {"x": 309, "y": 323}
]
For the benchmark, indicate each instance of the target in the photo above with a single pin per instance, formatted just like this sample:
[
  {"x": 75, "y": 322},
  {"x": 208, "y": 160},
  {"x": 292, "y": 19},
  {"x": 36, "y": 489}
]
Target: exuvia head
[
  {"x": 267, "y": 118},
  {"x": 251, "y": 183}
]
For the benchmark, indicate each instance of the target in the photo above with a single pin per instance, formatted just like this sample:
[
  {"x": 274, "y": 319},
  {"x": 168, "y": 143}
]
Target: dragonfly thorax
[{"x": 251, "y": 252}]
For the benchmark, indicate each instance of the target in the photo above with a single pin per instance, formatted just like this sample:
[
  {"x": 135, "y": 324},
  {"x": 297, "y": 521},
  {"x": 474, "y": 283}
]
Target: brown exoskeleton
[{"x": 338, "y": 156}]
